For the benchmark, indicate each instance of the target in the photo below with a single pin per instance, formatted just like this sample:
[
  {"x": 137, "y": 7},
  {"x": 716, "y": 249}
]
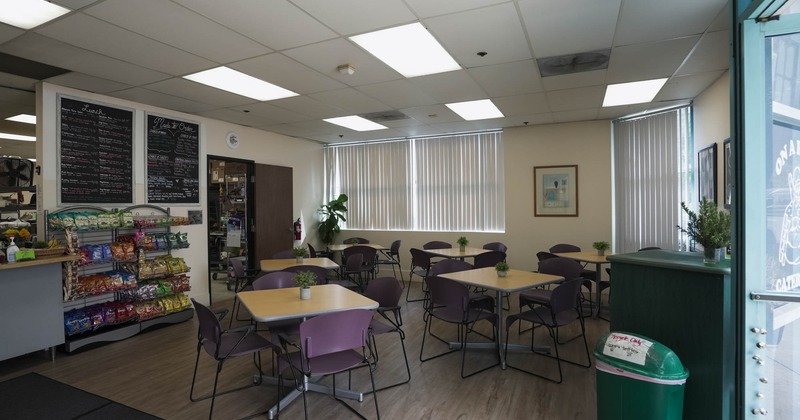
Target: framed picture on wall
[
  {"x": 727, "y": 173},
  {"x": 707, "y": 173},
  {"x": 555, "y": 191}
]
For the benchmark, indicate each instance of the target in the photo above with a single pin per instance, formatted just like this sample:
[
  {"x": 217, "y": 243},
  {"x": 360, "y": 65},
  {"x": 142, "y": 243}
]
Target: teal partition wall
[{"x": 675, "y": 299}]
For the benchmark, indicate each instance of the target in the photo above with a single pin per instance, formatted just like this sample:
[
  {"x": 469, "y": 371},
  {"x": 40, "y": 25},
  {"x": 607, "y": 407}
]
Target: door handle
[{"x": 775, "y": 296}]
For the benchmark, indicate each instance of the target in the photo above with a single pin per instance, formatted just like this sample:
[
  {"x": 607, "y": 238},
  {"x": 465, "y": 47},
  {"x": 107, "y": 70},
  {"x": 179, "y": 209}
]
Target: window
[
  {"x": 652, "y": 175},
  {"x": 448, "y": 183}
]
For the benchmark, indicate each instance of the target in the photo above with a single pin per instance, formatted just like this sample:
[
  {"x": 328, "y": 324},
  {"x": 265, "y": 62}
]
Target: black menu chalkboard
[
  {"x": 95, "y": 153},
  {"x": 173, "y": 164}
]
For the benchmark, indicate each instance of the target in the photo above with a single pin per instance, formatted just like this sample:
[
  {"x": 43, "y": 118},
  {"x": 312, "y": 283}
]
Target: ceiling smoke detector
[
  {"x": 346, "y": 69},
  {"x": 573, "y": 63}
]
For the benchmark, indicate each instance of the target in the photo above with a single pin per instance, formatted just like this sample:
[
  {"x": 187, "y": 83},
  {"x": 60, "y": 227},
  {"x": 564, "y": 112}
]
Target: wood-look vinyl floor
[{"x": 152, "y": 372}]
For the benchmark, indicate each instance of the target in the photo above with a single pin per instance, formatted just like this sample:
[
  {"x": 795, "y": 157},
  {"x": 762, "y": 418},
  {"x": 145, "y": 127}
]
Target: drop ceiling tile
[
  {"x": 454, "y": 127},
  {"x": 55, "y": 53},
  {"x": 454, "y": 86},
  {"x": 495, "y": 30},
  {"x": 432, "y": 114},
  {"x": 614, "y": 112},
  {"x": 96, "y": 35},
  {"x": 569, "y": 26},
  {"x": 8, "y": 32},
  {"x": 508, "y": 78},
  {"x": 574, "y": 80},
  {"x": 287, "y": 73},
  {"x": 73, "y": 4},
  {"x": 10, "y": 95},
  {"x": 428, "y": 8},
  {"x": 351, "y": 17},
  {"x": 648, "y": 61},
  {"x": 326, "y": 56},
  {"x": 308, "y": 106},
  {"x": 712, "y": 53},
  {"x": 687, "y": 87},
  {"x": 534, "y": 103},
  {"x": 272, "y": 112},
  {"x": 491, "y": 123},
  {"x": 236, "y": 116},
  {"x": 653, "y": 20},
  {"x": 179, "y": 27},
  {"x": 351, "y": 135},
  {"x": 88, "y": 83},
  {"x": 535, "y": 119},
  {"x": 17, "y": 82},
  {"x": 723, "y": 21},
  {"x": 576, "y": 99},
  {"x": 351, "y": 100},
  {"x": 277, "y": 24},
  {"x": 162, "y": 100},
  {"x": 575, "y": 115},
  {"x": 198, "y": 92}
]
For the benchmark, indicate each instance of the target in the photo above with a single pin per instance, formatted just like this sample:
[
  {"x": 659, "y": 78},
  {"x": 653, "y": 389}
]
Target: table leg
[
  {"x": 310, "y": 385},
  {"x": 598, "y": 273}
]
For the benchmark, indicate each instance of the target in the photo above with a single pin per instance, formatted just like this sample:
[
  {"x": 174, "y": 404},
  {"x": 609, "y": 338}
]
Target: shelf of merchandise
[
  {"x": 18, "y": 209},
  {"x": 99, "y": 236}
]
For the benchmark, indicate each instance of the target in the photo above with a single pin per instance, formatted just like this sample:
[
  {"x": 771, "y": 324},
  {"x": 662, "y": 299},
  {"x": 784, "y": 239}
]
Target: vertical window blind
[
  {"x": 447, "y": 183},
  {"x": 653, "y": 174}
]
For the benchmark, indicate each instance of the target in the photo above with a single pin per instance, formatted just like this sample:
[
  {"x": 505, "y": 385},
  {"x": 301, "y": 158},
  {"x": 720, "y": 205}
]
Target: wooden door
[{"x": 272, "y": 210}]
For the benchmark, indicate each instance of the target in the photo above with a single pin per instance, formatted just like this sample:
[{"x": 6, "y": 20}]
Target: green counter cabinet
[{"x": 675, "y": 299}]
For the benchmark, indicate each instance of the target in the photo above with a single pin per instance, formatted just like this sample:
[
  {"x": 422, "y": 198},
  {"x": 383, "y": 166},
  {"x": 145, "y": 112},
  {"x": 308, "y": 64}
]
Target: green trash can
[{"x": 638, "y": 378}]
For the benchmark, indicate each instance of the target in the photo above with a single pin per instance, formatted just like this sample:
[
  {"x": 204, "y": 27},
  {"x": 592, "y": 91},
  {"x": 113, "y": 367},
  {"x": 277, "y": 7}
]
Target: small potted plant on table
[
  {"x": 601, "y": 247},
  {"x": 462, "y": 243},
  {"x": 299, "y": 252},
  {"x": 711, "y": 228},
  {"x": 305, "y": 279},
  {"x": 502, "y": 268}
]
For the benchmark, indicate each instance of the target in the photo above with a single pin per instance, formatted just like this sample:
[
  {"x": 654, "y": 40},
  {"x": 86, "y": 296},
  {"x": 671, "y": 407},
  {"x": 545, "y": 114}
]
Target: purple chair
[
  {"x": 420, "y": 264},
  {"x": 496, "y": 246},
  {"x": 352, "y": 271},
  {"x": 368, "y": 258},
  {"x": 223, "y": 345},
  {"x": 476, "y": 300},
  {"x": 450, "y": 302},
  {"x": 558, "y": 266},
  {"x": 563, "y": 310},
  {"x": 322, "y": 274},
  {"x": 244, "y": 279},
  {"x": 436, "y": 245},
  {"x": 355, "y": 240},
  {"x": 278, "y": 280},
  {"x": 329, "y": 344},
  {"x": 589, "y": 276},
  {"x": 387, "y": 291},
  {"x": 489, "y": 259},
  {"x": 392, "y": 258}
]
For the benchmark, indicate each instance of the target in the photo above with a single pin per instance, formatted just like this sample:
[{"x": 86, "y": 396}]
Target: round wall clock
[{"x": 232, "y": 140}]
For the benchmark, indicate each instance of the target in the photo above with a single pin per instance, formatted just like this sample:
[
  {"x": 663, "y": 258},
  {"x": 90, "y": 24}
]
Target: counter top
[
  {"x": 691, "y": 261},
  {"x": 40, "y": 261}
]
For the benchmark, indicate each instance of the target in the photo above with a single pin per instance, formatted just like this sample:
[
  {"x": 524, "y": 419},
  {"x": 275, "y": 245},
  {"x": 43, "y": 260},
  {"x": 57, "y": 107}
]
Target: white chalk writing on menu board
[
  {"x": 173, "y": 165},
  {"x": 96, "y": 153}
]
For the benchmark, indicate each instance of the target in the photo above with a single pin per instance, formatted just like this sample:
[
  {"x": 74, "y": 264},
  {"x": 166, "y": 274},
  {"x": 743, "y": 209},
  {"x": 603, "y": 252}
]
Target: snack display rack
[{"x": 127, "y": 279}]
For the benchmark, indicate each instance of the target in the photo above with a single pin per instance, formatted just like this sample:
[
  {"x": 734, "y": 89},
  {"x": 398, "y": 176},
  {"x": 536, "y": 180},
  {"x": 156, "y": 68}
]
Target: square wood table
[
  {"x": 284, "y": 263},
  {"x": 457, "y": 252},
  {"x": 514, "y": 281},
  {"x": 281, "y": 304},
  {"x": 598, "y": 261}
]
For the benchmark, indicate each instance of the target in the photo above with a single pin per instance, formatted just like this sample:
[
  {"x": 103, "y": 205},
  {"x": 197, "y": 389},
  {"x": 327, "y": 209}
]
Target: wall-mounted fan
[{"x": 15, "y": 172}]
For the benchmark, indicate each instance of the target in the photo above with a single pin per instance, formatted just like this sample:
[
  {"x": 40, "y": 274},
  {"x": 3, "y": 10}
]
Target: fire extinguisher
[{"x": 298, "y": 229}]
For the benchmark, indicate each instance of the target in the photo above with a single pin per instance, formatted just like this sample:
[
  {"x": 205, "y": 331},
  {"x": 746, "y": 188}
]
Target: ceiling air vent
[
  {"x": 573, "y": 63},
  {"x": 384, "y": 116}
]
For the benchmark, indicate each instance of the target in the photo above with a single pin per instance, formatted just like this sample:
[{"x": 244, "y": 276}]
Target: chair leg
[
  {"x": 405, "y": 357},
  {"x": 467, "y": 329}
]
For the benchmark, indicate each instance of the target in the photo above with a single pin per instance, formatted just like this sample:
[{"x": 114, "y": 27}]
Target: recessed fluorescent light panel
[
  {"x": 8, "y": 136},
  {"x": 23, "y": 118},
  {"x": 633, "y": 92},
  {"x": 28, "y": 14},
  {"x": 410, "y": 49},
  {"x": 241, "y": 84},
  {"x": 354, "y": 122},
  {"x": 476, "y": 110}
]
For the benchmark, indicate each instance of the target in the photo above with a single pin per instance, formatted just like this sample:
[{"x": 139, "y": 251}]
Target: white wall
[
  {"x": 305, "y": 157},
  {"x": 586, "y": 144},
  {"x": 712, "y": 123}
]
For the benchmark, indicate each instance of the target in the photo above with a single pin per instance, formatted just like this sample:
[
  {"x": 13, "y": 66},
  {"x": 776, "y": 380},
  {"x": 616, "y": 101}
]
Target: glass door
[{"x": 769, "y": 215}]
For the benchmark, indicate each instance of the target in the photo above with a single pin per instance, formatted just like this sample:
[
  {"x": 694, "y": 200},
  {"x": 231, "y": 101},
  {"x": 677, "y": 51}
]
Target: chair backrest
[
  {"x": 385, "y": 290},
  {"x": 282, "y": 255},
  {"x": 543, "y": 255},
  {"x": 322, "y": 274},
  {"x": 209, "y": 330},
  {"x": 367, "y": 252},
  {"x": 237, "y": 264},
  {"x": 447, "y": 293},
  {"x": 436, "y": 245},
  {"x": 564, "y": 248},
  {"x": 274, "y": 280},
  {"x": 312, "y": 253},
  {"x": 335, "y": 332},
  {"x": 420, "y": 258},
  {"x": 394, "y": 250},
  {"x": 355, "y": 240},
  {"x": 449, "y": 266},
  {"x": 559, "y": 266},
  {"x": 649, "y": 248},
  {"x": 354, "y": 262},
  {"x": 489, "y": 259},
  {"x": 565, "y": 296},
  {"x": 496, "y": 246}
]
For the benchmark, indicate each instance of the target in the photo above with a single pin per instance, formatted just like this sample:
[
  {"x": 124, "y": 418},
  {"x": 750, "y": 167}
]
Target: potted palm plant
[
  {"x": 601, "y": 247},
  {"x": 502, "y": 268},
  {"x": 305, "y": 279},
  {"x": 710, "y": 227},
  {"x": 333, "y": 214},
  {"x": 462, "y": 243},
  {"x": 299, "y": 252}
]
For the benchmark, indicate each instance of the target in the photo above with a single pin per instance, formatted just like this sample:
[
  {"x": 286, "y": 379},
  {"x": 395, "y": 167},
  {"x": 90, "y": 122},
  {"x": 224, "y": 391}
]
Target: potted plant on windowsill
[
  {"x": 462, "y": 243},
  {"x": 502, "y": 268},
  {"x": 333, "y": 214},
  {"x": 305, "y": 279},
  {"x": 601, "y": 247},
  {"x": 710, "y": 227},
  {"x": 299, "y": 252}
]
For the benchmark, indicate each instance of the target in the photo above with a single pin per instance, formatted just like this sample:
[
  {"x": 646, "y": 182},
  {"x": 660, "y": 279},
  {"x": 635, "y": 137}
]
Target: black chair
[
  {"x": 476, "y": 300},
  {"x": 355, "y": 241},
  {"x": 223, "y": 345},
  {"x": 369, "y": 256},
  {"x": 496, "y": 246},
  {"x": 321, "y": 273},
  {"x": 436, "y": 245},
  {"x": 312, "y": 253},
  {"x": 558, "y": 266},
  {"x": 352, "y": 272},
  {"x": 450, "y": 302},
  {"x": 283, "y": 255},
  {"x": 563, "y": 310},
  {"x": 490, "y": 259},
  {"x": 590, "y": 276},
  {"x": 420, "y": 264},
  {"x": 387, "y": 292},
  {"x": 243, "y": 281},
  {"x": 392, "y": 258}
]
